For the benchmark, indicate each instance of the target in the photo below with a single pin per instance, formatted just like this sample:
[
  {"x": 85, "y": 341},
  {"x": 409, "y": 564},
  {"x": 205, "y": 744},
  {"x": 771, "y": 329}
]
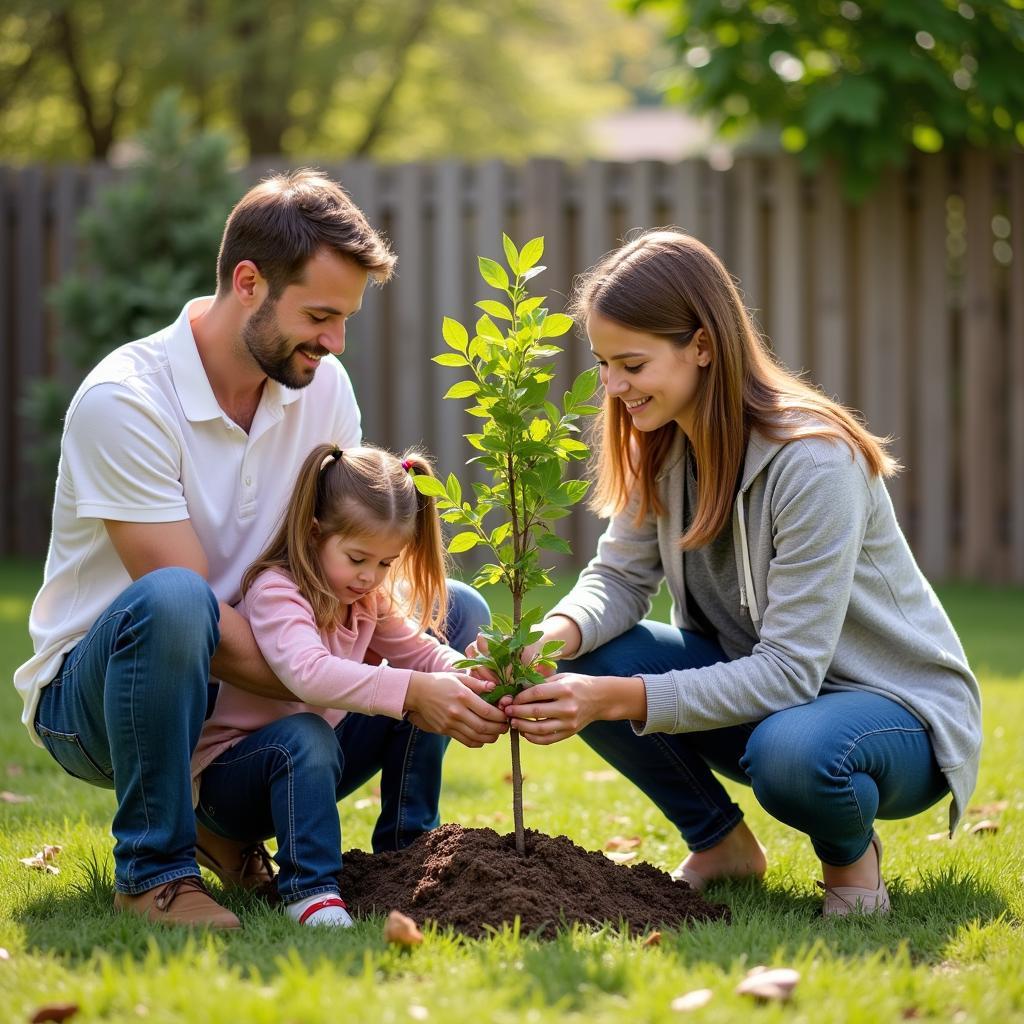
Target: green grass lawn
[{"x": 951, "y": 951}]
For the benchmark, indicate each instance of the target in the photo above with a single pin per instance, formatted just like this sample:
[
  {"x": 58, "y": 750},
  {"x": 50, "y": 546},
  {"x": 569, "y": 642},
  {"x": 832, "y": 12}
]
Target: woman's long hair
[
  {"x": 355, "y": 493},
  {"x": 669, "y": 284}
]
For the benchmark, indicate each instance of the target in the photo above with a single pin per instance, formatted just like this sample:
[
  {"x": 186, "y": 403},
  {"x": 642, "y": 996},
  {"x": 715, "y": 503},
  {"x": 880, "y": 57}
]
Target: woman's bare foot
[
  {"x": 865, "y": 873},
  {"x": 738, "y": 855}
]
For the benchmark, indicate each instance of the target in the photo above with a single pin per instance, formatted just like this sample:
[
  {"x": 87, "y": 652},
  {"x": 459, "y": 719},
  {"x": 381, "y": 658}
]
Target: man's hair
[{"x": 286, "y": 219}]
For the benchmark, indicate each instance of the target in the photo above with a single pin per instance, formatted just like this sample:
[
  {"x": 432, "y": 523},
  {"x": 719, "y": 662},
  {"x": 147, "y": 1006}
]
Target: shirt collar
[{"x": 195, "y": 394}]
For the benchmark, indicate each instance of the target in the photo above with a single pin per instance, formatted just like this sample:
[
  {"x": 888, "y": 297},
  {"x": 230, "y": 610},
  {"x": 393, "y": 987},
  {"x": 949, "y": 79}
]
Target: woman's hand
[
  {"x": 448, "y": 703},
  {"x": 569, "y": 702}
]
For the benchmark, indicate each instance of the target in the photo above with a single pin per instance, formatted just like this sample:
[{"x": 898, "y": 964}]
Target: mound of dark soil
[{"x": 472, "y": 878}]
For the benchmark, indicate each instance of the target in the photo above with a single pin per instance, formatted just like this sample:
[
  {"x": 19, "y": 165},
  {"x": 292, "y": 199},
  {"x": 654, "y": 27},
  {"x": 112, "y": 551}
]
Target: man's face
[{"x": 288, "y": 337}]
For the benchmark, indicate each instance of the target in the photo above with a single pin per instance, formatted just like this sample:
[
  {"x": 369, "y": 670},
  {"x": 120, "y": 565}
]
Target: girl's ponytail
[
  {"x": 424, "y": 565},
  {"x": 294, "y": 547}
]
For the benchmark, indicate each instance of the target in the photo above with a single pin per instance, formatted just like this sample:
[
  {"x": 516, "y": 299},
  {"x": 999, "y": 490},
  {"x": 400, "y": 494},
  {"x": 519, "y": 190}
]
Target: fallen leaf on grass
[
  {"x": 402, "y": 930},
  {"x": 933, "y": 837},
  {"x": 692, "y": 1000},
  {"x": 600, "y": 776},
  {"x": 623, "y": 843},
  {"x": 7, "y": 797},
  {"x": 654, "y": 939},
  {"x": 55, "y": 1011},
  {"x": 418, "y": 1012},
  {"x": 987, "y": 810},
  {"x": 983, "y": 827},
  {"x": 43, "y": 860},
  {"x": 619, "y": 856},
  {"x": 774, "y": 985},
  {"x": 911, "y": 1013}
]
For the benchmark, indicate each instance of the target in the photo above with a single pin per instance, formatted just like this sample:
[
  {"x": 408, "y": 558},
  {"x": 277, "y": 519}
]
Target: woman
[{"x": 808, "y": 657}]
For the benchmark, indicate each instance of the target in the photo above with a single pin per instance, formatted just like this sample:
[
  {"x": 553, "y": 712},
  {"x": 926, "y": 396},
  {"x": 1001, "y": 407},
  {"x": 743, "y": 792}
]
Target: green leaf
[
  {"x": 453, "y": 489},
  {"x": 571, "y": 445},
  {"x": 552, "y": 542},
  {"x": 555, "y": 324},
  {"x": 487, "y": 328},
  {"x": 464, "y": 389},
  {"x": 455, "y": 335},
  {"x": 585, "y": 385},
  {"x": 511, "y": 255},
  {"x": 429, "y": 485},
  {"x": 527, "y": 306},
  {"x": 539, "y": 429},
  {"x": 463, "y": 542},
  {"x": 532, "y": 273},
  {"x": 531, "y": 252},
  {"x": 493, "y": 273},
  {"x": 450, "y": 359},
  {"x": 495, "y": 308},
  {"x": 551, "y": 647}
]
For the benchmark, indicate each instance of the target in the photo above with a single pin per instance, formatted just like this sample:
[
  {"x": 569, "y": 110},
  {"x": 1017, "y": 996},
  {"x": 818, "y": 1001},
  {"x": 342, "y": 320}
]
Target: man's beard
[{"x": 273, "y": 352}]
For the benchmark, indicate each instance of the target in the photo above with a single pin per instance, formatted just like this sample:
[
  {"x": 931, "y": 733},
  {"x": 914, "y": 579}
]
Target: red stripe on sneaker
[{"x": 330, "y": 901}]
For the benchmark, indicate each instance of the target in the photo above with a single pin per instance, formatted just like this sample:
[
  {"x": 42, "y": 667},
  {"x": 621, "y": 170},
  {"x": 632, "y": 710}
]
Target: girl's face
[
  {"x": 357, "y": 565},
  {"x": 656, "y": 379}
]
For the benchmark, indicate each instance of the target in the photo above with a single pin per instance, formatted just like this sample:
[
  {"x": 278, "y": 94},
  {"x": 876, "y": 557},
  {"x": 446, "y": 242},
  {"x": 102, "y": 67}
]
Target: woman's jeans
[
  {"x": 827, "y": 768},
  {"x": 127, "y": 706}
]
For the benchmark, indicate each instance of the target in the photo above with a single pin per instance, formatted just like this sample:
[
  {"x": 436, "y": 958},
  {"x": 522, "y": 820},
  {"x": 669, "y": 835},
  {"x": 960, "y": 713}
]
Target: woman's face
[{"x": 656, "y": 379}]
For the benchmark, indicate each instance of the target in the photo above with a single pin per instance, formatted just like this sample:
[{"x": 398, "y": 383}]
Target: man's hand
[{"x": 447, "y": 703}]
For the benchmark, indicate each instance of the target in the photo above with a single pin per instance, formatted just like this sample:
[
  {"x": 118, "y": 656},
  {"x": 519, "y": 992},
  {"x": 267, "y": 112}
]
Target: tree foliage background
[
  {"x": 391, "y": 79},
  {"x": 865, "y": 81}
]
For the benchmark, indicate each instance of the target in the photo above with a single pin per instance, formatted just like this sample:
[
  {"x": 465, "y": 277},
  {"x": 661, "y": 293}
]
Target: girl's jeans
[
  {"x": 127, "y": 706},
  {"x": 827, "y": 768}
]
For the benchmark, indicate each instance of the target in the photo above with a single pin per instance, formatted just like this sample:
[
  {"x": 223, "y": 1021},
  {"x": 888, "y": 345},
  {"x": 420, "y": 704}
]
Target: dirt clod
[{"x": 473, "y": 880}]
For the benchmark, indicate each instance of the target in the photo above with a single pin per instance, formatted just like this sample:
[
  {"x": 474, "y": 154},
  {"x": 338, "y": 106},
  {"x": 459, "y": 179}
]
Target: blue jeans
[
  {"x": 827, "y": 768},
  {"x": 127, "y": 706}
]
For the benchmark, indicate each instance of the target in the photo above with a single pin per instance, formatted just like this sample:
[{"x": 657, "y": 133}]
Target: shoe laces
[{"x": 175, "y": 888}]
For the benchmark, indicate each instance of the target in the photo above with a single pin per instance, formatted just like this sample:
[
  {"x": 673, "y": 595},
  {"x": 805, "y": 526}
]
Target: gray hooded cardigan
[{"x": 831, "y": 588}]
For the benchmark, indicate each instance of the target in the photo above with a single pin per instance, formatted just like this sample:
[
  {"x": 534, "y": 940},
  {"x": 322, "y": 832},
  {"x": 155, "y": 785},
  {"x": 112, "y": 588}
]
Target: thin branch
[{"x": 417, "y": 26}]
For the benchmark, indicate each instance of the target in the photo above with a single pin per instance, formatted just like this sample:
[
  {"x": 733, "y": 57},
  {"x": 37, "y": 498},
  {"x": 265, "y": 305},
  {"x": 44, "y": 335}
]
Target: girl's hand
[
  {"x": 569, "y": 702},
  {"x": 447, "y": 703}
]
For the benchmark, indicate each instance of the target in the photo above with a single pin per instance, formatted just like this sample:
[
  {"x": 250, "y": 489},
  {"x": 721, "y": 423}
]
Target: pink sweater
[{"x": 331, "y": 672}]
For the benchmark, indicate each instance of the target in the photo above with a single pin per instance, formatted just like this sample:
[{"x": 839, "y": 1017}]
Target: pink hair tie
[{"x": 406, "y": 465}]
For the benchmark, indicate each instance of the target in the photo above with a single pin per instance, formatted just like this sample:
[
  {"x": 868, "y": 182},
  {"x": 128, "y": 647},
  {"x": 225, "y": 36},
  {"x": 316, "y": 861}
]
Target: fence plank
[
  {"x": 8, "y": 379},
  {"x": 1016, "y": 368},
  {"x": 363, "y": 350},
  {"x": 686, "y": 200},
  {"x": 450, "y": 261},
  {"x": 30, "y": 531},
  {"x": 747, "y": 261},
  {"x": 66, "y": 208},
  {"x": 932, "y": 466},
  {"x": 831, "y": 275},
  {"x": 785, "y": 320},
  {"x": 408, "y": 412},
  {"x": 640, "y": 197},
  {"x": 979, "y": 479}
]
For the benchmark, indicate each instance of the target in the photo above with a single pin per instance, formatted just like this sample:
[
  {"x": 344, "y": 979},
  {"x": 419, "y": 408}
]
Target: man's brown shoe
[
  {"x": 182, "y": 901},
  {"x": 248, "y": 866}
]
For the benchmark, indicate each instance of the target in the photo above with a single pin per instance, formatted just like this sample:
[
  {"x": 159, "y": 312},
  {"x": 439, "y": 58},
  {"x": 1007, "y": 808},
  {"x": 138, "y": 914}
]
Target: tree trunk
[{"x": 517, "y": 793}]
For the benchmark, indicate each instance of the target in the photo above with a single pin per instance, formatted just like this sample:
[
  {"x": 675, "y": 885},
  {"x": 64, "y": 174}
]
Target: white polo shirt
[{"x": 146, "y": 442}]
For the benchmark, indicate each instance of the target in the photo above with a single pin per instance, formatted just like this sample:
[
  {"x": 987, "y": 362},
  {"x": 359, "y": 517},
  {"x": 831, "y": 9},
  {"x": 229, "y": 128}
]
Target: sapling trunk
[{"x": 513, "y": 737}]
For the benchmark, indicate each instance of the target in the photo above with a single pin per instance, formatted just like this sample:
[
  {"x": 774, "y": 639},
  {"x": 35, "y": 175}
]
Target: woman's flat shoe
[{"x": 841, "y": 900}]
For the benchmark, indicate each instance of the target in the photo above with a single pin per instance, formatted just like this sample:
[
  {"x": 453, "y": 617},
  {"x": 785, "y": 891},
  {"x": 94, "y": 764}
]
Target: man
[{"x": 178, "y": 455}]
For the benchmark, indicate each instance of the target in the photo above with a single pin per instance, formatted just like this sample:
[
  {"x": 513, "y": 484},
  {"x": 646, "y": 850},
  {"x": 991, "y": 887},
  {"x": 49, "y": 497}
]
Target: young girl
[
  {"x": 807, "y": 657},
  {"x": 329, "y": 602}
]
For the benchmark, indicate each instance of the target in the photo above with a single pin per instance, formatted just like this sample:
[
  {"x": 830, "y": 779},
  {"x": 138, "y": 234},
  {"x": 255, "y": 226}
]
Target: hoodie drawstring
[{"x": 747, "y": 583}]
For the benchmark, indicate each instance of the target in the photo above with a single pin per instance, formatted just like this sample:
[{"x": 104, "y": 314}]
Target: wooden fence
[{"x": 909, "y": 307}]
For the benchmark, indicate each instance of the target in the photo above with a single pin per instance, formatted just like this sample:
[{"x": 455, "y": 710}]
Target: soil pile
[{"x": 472, "y": 878}]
